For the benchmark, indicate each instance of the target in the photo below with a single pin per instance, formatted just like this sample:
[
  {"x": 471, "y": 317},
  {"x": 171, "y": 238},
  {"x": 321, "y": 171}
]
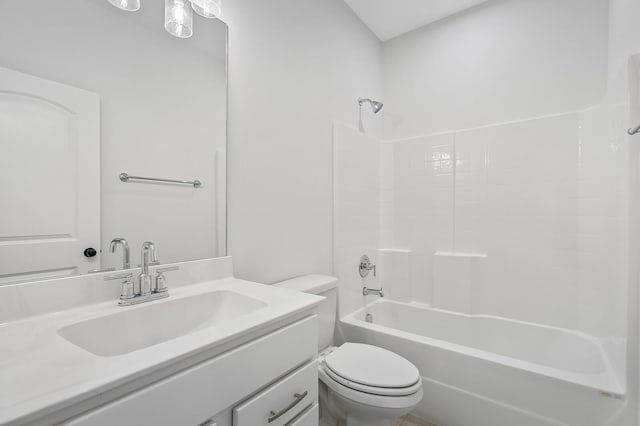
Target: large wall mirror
[{"x": 89, "y": 92}]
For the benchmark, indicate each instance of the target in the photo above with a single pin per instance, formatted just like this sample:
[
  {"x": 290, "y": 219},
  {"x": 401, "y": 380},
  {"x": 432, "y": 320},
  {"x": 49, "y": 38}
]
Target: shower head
[{"x": 375, "y": 105}]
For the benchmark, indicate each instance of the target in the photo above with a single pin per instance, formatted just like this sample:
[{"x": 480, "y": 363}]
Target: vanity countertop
[{"x": 41, "y": 372}]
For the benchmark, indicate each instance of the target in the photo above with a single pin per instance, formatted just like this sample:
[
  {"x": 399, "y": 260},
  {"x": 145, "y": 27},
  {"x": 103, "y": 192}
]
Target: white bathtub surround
[
  {"x": 356, "y": 180},
  {"x": 502, "y": 371},
  {"x": 458, "y": 280},
  {"x": 394, "y": 270},
  {"x": 48, "y": 373},
  {"x": 418, "y": 207},
  {"x": 553, "y": 225}
]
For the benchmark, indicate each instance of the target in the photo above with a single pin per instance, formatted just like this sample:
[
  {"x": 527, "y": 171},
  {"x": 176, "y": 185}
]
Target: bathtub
[{"x": 482, "y": 370}]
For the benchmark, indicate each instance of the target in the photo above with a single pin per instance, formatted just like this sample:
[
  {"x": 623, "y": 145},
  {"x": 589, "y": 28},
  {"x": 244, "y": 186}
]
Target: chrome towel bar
[{"x": 126, "y": 178}]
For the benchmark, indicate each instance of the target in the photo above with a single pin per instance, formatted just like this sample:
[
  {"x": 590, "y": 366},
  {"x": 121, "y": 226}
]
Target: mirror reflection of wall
[{"x": 87, "y": 86}]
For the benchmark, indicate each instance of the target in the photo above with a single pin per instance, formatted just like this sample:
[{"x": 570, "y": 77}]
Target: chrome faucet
[
  {"x": 148, "y": 255},
  {"x": 366, "y": 266},
  {"x": 367, "y": 291},
  {"x": 126, "y": 252},
  {"x": 145, "y": 289}
]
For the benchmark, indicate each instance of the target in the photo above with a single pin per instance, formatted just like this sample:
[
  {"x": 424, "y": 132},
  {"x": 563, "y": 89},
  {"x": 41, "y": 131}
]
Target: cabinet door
[{"x": 50, "y": 178}]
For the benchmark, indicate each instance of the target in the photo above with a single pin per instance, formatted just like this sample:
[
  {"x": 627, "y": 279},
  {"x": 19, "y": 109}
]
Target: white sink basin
[{"x": 142, "y": 326}]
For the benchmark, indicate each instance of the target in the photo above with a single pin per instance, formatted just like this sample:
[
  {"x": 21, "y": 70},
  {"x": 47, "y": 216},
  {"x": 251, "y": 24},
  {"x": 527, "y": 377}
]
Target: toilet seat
[
  {"x": 369, "y": 399},
  {"x": 371, "y": 369},
  {"x": 372, "y": 389}
]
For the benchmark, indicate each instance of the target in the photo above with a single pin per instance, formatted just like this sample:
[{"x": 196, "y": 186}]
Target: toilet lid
[{"x": 372, "y": 366}]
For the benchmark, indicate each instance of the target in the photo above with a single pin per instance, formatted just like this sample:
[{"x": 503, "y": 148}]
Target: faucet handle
[
  {"x": 161, "y": 282},
  {"x": 119, "y": 277},
  {"x": 366, "y": 266},
  {"x": 127, "y": 291}
]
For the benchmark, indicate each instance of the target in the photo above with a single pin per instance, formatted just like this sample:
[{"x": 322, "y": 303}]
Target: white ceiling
[{"x": 391, "y": 18}]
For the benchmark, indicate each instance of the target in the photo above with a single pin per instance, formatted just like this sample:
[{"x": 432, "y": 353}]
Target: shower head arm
[{"x": 376, "y": 106}]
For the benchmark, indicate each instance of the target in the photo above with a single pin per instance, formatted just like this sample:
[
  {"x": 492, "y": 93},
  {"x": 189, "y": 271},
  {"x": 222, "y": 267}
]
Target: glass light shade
[
  {"x": 207, "y": 8},
  {"x": 128, "y": 5},
  {"x": 178, "y": 18}
]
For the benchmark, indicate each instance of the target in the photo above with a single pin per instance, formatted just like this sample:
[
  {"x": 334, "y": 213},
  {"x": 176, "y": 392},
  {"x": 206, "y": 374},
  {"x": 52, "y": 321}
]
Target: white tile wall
[
  {"x": 458, "y": 281},
  {"x": 395, "y": 273},
  {"x": 422, "y": 207},
  {"x": 544, "y": 199},
  {"x": 471, "y": 190},
  {"x": 356, "y": 169},
  {"x": 604, "y": 228},
  {"x": 532, "y": 211}
]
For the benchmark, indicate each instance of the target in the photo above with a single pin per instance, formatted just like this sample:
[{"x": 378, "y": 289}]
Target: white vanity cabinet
[{"x": 245, "y": 386}]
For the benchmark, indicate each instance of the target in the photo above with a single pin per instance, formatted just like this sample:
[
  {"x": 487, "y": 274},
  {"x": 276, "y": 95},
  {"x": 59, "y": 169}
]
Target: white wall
[
  {"x": 295, "y": 67},
  {"x": 501, "y": 61},
  {"x": 162, "y": 112}
]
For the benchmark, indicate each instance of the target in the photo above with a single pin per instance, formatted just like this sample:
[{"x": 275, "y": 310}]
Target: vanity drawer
[
  {"x": 311, "y": 417},
  {"x": 281, "y": 402}
]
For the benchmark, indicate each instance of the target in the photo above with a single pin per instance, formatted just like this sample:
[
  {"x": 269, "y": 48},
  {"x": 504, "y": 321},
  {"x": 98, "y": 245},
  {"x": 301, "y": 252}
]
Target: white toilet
[{"x": 363, "y": 385}]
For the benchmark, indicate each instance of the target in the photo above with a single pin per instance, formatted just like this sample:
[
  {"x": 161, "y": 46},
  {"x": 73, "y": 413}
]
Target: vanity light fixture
[
  {"x": 128, "y": 5},
  {"x": 206, "y": 8},
  {"x": 178, "y": 18},
  {"x": 178, "y": 14}
]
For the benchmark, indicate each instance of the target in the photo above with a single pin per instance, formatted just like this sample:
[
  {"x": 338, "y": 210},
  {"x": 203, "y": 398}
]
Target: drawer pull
[{"x": 298, "y": 397}]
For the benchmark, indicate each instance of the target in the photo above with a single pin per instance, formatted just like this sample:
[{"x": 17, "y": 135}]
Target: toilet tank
[{"x": 321, "y": 285}]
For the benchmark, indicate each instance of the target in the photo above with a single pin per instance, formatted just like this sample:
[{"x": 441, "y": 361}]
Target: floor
[
  {"x": 410, "y": 420},
  {"x": 407, "y": 420}
]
